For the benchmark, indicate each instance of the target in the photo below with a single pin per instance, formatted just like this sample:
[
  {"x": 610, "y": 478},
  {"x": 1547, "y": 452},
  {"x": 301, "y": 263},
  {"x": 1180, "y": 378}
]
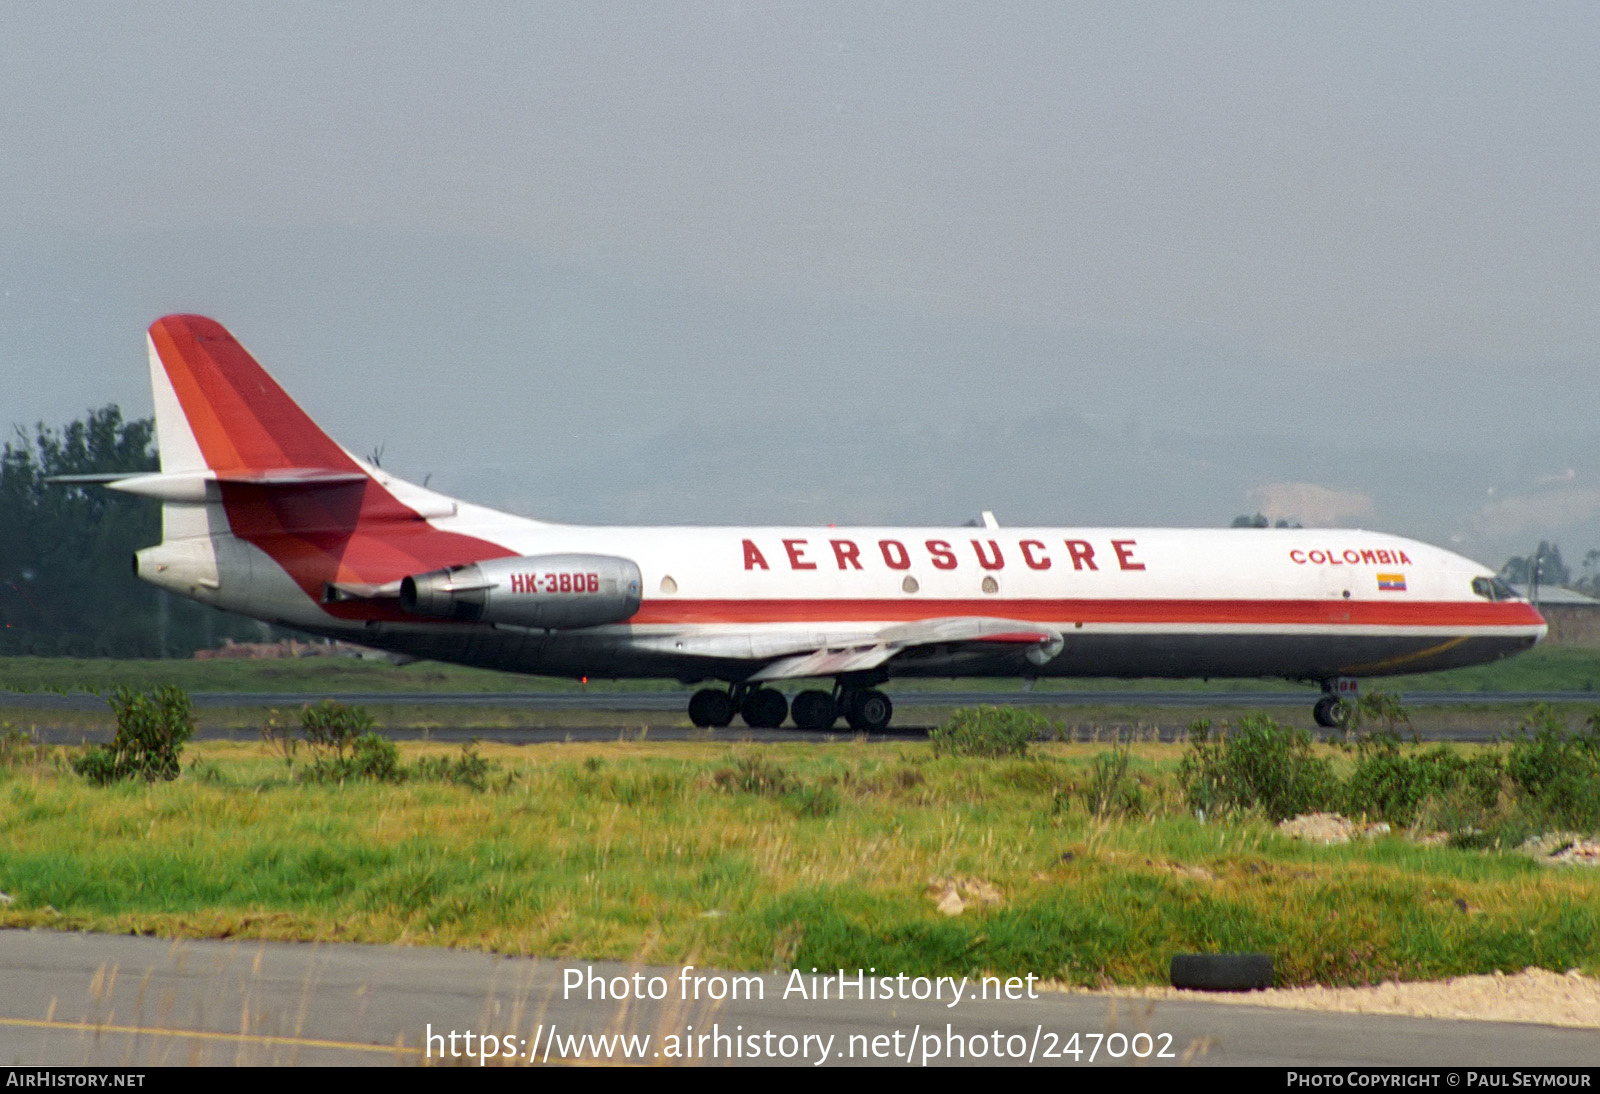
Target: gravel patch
[{"x": 1533, "y": 995}]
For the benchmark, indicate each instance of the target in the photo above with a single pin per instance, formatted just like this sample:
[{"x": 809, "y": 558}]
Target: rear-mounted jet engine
[{"x": 550, "y": 591}]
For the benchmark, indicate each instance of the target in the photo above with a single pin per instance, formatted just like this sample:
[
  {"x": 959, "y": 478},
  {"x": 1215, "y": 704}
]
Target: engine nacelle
[{"x": 552, "y": 591}]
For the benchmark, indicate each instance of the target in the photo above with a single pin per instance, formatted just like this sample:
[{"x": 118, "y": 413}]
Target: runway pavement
[
  {"x": 677, "y": 701},
  {"x": 116, "y": 1001},
  {"x": 586, "y": 715}
]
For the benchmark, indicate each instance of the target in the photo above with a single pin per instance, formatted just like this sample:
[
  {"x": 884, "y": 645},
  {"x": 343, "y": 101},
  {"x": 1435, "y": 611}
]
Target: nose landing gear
[
  {"x": 1331, "y": 712},
  {"x": 1338, "y": 700}
]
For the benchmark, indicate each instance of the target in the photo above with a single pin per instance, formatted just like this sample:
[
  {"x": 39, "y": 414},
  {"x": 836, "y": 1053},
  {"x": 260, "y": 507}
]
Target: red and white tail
[
  {"x": 218, "y": 410},
  {"x": 242, "y": 463}
]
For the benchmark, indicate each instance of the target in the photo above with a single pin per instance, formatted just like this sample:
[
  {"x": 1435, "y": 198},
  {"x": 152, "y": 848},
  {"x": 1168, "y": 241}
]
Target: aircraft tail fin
[
  {"x": 247, "y": 475},
  {"x": 218, "y": 410}
]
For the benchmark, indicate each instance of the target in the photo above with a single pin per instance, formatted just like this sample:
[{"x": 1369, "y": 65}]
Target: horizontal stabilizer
[{"x": 190, "y": 486}]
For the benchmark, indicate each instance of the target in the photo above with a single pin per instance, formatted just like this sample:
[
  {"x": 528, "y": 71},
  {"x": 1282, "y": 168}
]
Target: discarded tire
[{"x": 1222, "y": 971}]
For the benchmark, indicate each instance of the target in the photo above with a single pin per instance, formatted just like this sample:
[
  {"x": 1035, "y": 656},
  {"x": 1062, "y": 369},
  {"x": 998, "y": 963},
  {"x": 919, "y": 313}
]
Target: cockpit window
[{"x": 1492, "y": 588}]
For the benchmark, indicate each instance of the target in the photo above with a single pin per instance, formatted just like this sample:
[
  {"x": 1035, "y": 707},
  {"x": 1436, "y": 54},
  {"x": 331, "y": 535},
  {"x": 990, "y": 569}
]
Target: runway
[
  {"x": 678, "y": 701},
  {"x": 660, "y": 715},
  {"x": 116, "y": 1001}
]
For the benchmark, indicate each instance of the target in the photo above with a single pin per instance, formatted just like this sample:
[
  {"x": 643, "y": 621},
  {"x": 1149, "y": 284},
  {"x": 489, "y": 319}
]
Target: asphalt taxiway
[{"x": 118, "y": 1001}]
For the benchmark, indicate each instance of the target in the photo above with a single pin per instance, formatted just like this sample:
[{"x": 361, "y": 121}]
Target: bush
[
  {"x": 1398, "y": 785},
  {"x": 1111, "y": 793},
  {"x": 1556, "y": 771},
  {"x": 370, "y": 757},
  {"x": 332, "y": 726},
  {"x": 1378, "y": 707},
  {"x": 152, "y": 727},
  {"x": 19, "y": 748},
  {"x": 1260, "y": 765},
  {"x": 989, "y": 732},
  {"x": 344, "y": 747},
  {"x": 342, "y": 744},
  {"x": 469, "y": 769}
]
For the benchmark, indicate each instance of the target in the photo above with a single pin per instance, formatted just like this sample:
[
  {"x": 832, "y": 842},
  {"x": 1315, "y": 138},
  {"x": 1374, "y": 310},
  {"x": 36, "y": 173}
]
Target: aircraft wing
[{"x": 794, "y": 656}]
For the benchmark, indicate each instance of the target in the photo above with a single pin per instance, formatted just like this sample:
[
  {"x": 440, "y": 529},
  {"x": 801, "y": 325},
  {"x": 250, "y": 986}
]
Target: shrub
[
  {"x": 1556, "y": 771},
  {"x": 1111, "y": 793},
  {"x": 279, "y": 737},
  {"x": 370, "y": 757},
  {"x": 152, "y": 727},
  {"x": 332, "y": 726},
  {"x": 989, "y": 732},
  {"x": 19, "y": 748},
  {"x": 1397, "y": 784},
  {"x": 469, "y": 769},
  {"x": 1260, "y": 765},
  {"x": 1378, "y": 708}
]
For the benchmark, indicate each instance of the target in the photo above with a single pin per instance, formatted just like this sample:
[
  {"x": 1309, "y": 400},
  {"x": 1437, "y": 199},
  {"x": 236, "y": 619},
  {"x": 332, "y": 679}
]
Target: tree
[
  {"x": 65, "y": 586},
  {"x": 66, "y": 582},
  {"x": 1551, "y": 570},
  {"x": 1590, "y": 579},
  {"x": 1260, "y": 521}
]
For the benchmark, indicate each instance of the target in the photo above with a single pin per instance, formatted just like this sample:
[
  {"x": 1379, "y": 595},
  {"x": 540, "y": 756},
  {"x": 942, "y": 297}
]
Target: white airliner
[{"x": 265, "y": 515}]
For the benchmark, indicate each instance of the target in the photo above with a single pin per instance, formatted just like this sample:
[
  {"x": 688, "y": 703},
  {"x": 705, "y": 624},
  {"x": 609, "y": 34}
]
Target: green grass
[
  {"x": 777, "y": 857},
  {"x": 1543, "y": 668}
]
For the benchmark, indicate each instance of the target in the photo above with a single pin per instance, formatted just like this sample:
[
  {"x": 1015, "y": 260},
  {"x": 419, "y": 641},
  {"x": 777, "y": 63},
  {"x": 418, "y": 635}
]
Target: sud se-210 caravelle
[{"x": 265, "y": 515}]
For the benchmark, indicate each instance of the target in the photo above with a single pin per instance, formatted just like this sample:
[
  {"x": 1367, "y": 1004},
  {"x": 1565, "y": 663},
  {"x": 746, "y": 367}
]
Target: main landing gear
[{"x": 866, "y": 710}]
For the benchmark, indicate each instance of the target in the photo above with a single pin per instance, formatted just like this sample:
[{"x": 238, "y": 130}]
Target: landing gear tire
[
  {"x": 1221, "y": 971},
  {"x": 1331, "y": 712},
  {"x": 868, "y": 711},
  {"x": 813, "y": 710},
  {"x": 764, "y": 708},
  {"x": 711, "y": 708}
]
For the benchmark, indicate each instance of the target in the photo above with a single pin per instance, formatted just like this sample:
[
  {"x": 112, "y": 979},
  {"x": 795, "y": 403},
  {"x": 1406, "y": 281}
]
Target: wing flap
[{"x": 827, "y": 662}]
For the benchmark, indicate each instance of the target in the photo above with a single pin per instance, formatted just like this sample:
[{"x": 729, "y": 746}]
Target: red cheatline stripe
[{"x": 1312, "y": 612}]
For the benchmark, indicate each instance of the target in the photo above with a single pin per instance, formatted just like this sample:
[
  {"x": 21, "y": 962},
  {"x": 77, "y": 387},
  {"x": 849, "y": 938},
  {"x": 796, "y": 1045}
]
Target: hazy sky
[{"x": 834, "y": 262}]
